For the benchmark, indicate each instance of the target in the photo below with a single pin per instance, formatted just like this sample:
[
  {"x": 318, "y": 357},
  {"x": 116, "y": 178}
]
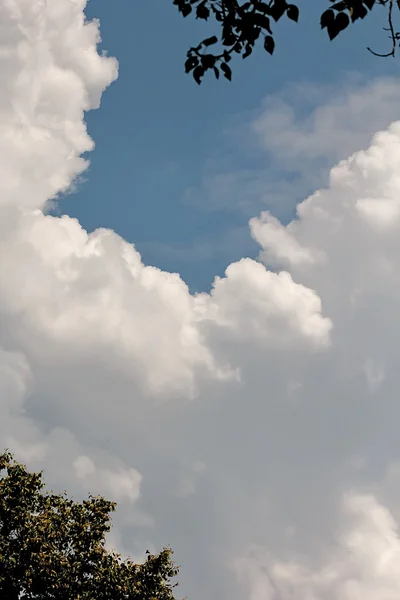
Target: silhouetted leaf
[
  {"x": 190, "y": 63},
  {"x": 186, "y": 9},
  {"x": 342, "y": 5},
  {"x": 198, "y": 74},
  {"x": 360, "y": 13},
  {"x": 262, "y": 7},
  {"x": 327, "y": 18},
  {"x": 277, "y": 10},
  {"x": 202, "y": 12},
  {"x": 228, "y": 38},
  {"x": 208, "y": 61},
  {"x": 269, "y": 44},
  {"x": 293, "y": 12},
  {"x": 210, "y": 41},
  {"x": 226, "y": 71},
  {"x": 342, "y": 21},
  {"x": 262, "y": 21},
  {"x": 241, "y": 25},
  {"x": 248, "y": 51},
  {"x": 333, "y": 31}
]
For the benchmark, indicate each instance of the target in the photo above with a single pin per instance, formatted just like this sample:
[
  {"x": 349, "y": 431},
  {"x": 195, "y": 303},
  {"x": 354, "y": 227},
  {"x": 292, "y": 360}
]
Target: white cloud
[
  {"x": 122, "y": 484},
  {"x": 51, "y": 73},
  {"x": 258, "y": 304},
  {"x": 219, "y": 421},
  {"x": 365, "y": 562},
  {"x": 281, "y": 246},
  {"x": 325, "y": 121}
]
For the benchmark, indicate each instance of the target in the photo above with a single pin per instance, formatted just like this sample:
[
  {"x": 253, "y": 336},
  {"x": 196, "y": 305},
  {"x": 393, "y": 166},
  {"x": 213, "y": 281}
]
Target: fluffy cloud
[
  {"x": 51, "y": 73},
  {"x": 253, "y": 428},
  {"x": 365, "y": 562}
]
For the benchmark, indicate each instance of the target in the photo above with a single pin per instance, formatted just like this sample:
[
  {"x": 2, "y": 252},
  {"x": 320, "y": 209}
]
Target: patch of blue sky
[{"x": 175, "y": 170}]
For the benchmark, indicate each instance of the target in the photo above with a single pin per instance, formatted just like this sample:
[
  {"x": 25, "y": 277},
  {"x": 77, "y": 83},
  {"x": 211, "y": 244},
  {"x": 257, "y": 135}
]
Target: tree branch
[{"x": 393, "y": 34}]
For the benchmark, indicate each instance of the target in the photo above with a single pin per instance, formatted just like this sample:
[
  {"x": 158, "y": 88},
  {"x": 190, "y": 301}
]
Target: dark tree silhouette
[
  {"x": 243, "y": 24},
  {"x": 52, "y": 548}
]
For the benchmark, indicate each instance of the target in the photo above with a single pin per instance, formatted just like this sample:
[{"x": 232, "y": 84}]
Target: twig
[{"x": 392, "y": 33}]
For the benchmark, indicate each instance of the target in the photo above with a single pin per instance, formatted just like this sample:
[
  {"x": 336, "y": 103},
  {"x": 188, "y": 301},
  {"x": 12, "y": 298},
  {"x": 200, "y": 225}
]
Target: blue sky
[{"x": 157, "y": 132}]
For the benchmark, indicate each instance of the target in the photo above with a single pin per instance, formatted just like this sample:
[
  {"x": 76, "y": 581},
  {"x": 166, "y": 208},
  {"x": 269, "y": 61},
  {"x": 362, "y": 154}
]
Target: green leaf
[{"x": 53, "y": 547}]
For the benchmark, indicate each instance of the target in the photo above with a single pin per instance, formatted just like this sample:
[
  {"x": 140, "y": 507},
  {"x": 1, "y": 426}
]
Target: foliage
[
  {"x": 52, "y": 547},
  {"x": 242, "y": 24}
]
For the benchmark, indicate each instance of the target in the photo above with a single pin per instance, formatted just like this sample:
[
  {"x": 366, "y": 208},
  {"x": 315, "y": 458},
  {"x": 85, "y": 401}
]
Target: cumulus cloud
[
  {"x": 51, "y": 73},
  {"x": 253, "y": 428},
  {"x": 364, "y": 564},
  {"x": 122, "y": 484}
]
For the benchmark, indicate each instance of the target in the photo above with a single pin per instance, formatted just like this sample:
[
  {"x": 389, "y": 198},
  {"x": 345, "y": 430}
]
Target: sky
[
  {"x": 199, "y": 295},
  {"x": 175, "y": 170}
]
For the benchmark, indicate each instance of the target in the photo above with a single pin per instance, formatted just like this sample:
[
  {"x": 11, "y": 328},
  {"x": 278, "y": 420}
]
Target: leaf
[
  {"x": 202, "y": 12},
  {"x": 185, "y": 9},
  {"x": 228, "y": 38},
  {"x": 198, "y": 74},
  {"x": 262, "y": 7},
  {"x": 226, "y": 71},
  {"x": 210, "y": 41},
  {"x": 360, "y": 13},
  {"x": 216, "y": 72},
  {"x": 248, "y": 51},
  {"x": 369, "y": 4},
  {"x": 342, "y": 5},
  {"x": 342, "y": 21},
  {"x": 327, "y": 18},
  {"x": 269, "y": 44},
  {"x": 190, "y": 63},
  {"x": 262, "y": 21},
  {"x": 208, "y": 61},
  {"x": 293, "y": 12},
  {"x": 333, "y": 31},
  {"x": 277, "y": 10}
]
